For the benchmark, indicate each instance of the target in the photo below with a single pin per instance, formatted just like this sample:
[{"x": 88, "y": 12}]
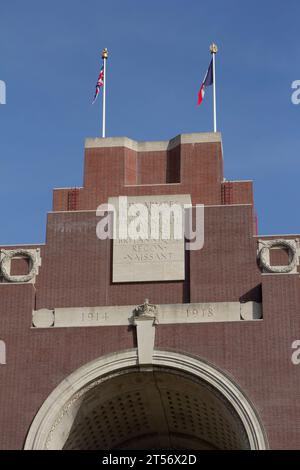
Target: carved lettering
[
  {"x": 200, "y": 312},
  {"x": 93, "y": 316},
  {"x": 161, "y": 255}
]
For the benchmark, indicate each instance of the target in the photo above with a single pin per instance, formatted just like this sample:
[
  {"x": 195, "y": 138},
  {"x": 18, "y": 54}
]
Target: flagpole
[
  {"x": 104, "y": 57},
  {"x": 214, "y": 50}
]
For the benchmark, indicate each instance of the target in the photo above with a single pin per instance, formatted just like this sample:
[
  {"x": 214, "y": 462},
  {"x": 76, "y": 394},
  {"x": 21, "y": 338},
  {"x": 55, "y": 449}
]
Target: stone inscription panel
[
  {"x": 166, "y": 314},
  {"x": 150, "y": 259}
]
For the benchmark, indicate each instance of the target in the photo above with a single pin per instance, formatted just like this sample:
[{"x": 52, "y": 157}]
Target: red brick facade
[{"x": 76, "y": 271}]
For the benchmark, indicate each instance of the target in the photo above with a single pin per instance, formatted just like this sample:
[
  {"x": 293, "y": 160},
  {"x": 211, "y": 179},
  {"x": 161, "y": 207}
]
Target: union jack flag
[{"x": 99, "y": 84}]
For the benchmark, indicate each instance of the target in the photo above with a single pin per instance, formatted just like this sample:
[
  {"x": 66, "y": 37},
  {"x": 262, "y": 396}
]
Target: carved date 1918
[{"x": 200, "y": 312}]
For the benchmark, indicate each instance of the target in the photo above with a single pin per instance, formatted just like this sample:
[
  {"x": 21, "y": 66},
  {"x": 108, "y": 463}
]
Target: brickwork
[{"x": 76, "y": 271}]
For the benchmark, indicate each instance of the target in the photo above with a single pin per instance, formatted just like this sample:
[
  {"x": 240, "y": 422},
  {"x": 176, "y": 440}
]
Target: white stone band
[
  {"x": 195, "y": 138},
  {"x": 166, "y": 314}
]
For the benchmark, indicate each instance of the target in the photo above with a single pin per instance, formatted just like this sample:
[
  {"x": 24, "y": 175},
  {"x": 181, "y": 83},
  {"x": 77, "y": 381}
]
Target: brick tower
[{"x": 196, "y": 349}]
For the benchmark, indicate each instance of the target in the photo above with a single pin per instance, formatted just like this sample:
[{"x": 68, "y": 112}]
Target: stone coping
[{"x": 152, "y": 146}]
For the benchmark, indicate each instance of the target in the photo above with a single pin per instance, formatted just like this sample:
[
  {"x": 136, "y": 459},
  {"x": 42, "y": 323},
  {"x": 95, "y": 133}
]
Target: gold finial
[
  {"x": 213, "y": 48},
  {"x": 104, "y": 53}
]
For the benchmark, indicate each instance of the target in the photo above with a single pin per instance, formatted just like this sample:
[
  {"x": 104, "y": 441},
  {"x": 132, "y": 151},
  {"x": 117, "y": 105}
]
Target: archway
[{"x": 179, "y": 402}]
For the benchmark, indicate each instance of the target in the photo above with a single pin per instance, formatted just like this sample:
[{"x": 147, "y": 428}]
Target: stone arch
[{"x": 190, "y": 385}]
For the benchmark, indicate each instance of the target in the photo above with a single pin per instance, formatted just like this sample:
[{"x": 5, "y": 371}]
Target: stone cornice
[{"x": 149, "y": 146}]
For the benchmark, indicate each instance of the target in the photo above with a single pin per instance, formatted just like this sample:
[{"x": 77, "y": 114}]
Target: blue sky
[{"x": 50, "y": 59}]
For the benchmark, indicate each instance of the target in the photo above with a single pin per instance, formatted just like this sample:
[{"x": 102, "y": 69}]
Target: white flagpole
[
  {"x": 214, "y": 50},
  {"x": 104, "y": 57}
]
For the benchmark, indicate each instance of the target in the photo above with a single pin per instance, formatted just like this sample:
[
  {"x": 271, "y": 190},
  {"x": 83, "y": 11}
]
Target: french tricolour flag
[{"x": 208, "y": 80}]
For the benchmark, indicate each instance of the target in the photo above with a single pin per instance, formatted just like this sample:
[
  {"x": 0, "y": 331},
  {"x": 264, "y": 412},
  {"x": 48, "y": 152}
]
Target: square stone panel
[{"x": 149, "y": 259}]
